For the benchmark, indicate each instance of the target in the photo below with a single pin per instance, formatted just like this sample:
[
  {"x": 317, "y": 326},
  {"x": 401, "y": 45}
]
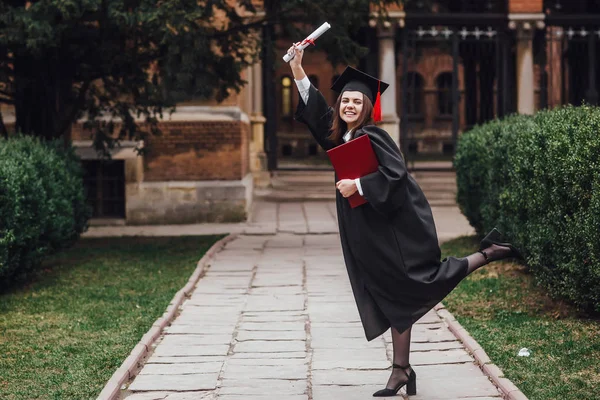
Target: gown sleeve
[
  {"x": 386, "y": 188},
  {"x": 316, "y": 113}
]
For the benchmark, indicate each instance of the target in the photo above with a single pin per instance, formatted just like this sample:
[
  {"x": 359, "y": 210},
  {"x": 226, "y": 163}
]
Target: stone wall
[{"x": 197, "y": 170}]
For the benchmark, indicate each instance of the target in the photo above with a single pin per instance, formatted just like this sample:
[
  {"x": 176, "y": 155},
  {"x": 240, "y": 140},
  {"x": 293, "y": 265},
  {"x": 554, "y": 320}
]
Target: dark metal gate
[
  {"x": 568, "y": 57},
  {"x": 452, "y": 78}
]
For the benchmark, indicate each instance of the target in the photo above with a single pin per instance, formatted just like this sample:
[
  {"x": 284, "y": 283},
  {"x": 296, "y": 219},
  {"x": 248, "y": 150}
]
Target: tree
[{"x": 117, "y": 63}]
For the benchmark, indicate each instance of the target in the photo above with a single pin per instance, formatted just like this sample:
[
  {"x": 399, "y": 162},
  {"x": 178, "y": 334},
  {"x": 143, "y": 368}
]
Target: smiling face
[{"x": 351, "y": 107}]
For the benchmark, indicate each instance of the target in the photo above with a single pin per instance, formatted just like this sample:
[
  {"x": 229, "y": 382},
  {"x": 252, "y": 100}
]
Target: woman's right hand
[{"x": 296, "y": 62}]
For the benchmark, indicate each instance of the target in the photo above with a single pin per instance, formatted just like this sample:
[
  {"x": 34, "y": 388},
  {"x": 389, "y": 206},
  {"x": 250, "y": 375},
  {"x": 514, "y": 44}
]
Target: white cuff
[
  {"x": 357, "y": 181},
  {"x": 303, "y": 87}
]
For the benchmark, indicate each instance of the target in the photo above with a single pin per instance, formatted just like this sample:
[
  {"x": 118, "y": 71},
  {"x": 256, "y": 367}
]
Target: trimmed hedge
[
  {"x": 537, "y": 178},
  {"x": 42, "y": 203}
]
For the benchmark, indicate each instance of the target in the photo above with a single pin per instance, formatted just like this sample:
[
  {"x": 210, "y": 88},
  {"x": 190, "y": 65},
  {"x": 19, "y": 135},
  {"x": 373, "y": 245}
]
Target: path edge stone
[
  {"x": 509, "y": 390},
  {"x": 127, "y": 370}
]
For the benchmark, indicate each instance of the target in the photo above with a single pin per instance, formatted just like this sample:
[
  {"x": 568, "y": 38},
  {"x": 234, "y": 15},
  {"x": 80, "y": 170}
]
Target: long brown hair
[{"x": 339, "y": 126}]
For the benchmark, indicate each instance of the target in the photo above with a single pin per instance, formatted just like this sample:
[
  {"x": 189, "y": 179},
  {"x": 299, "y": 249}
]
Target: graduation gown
[{"x": 390, "y": 244}]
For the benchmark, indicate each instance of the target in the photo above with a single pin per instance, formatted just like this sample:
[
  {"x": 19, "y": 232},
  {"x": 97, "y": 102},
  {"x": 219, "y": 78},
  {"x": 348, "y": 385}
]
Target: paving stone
[
  {"x": 285, "y": 240},
  {"x": 350, "y": 355},
  {"x": 267, "y": 317},
  {"x": 173, "y": 396},
  {"x": 263, "y": 397},
  {"x": 290, "y": 372},
  {"x": 148, "y": 396},
  {"x": 328, "y": 332},
  {"x": 324, "y": 364},
  {"x": 243, "y": 336},
  {"x": 181, "y": 368},
  {"x": 195, "y": 340},
  {"x": 262, "y": 294},
  {"x": 429, "y": 318},
  {"x": 181, "y": 328},
  {"x": 434, "y": 372},
  {"x": 455, "y": 388},
  {"x": 275, "y": 313},
  {"x": 176, "y": 350},
  {"x": 350, "y": 377},
  {"x": 288, "y": 288},
  {"x": 206, "y": 320},
  {"x": 440, "y": 357},
  {"x": 355, "y": 392},
  {"x": 174, "y": 382},
  {"x": 269, "y": 346},
  {"x": 432, "y": 336},
  {"x": 296, "y": 354},
  {"x": 154, "y": 359},
  {"x": 414, "y": 347},
  {"x": 252, "y": 387},
  {"x": 323, "y": 342},
  {"x": 277, "y": 278},
  {"x": 208, "y": 289},
  {"x": 275, "y": 303},
  {"x": 282, "y": 326},
  {"x": 267, "y": 361}
]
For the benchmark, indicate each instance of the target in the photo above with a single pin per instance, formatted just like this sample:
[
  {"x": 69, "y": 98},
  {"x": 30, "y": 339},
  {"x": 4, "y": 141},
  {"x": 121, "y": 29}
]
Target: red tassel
[{"x": 377, "y": 105}]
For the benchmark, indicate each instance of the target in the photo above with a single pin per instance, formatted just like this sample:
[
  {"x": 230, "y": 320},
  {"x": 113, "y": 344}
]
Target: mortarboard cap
[{"x": 354, "y": 80}]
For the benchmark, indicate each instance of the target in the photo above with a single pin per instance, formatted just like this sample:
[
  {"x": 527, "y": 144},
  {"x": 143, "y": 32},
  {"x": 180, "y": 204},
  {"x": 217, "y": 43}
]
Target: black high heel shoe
[
  {"x": 411, "y": 384},
  {"x": 495, "y": 237}
]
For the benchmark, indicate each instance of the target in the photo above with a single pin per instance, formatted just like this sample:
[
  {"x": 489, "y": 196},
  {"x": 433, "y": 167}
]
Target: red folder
[{"x": 352, "y": 160}]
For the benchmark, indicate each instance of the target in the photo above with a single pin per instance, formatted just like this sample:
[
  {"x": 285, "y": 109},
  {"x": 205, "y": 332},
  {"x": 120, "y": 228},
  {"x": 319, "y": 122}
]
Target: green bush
[
  {"x": 42, "y": 203},
  {"x": 536, "y": 179}
]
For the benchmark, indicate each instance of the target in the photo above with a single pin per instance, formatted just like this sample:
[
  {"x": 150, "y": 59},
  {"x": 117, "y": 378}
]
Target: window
[
  {"x": 105, "y": 186},
  {"x": 286, "y": 97},
  {"x": 414, "y": 94},
  {"x": 444, "y": 93}
]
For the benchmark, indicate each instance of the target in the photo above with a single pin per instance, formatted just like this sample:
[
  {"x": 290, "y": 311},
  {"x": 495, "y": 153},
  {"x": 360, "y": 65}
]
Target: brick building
[{"x": 459, "y": 63}]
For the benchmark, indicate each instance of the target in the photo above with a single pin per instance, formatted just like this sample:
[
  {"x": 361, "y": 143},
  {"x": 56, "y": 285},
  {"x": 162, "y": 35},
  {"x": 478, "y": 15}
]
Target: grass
[
  {"x": 504, "y": 310},
  {"x": 64, "y": 334}
]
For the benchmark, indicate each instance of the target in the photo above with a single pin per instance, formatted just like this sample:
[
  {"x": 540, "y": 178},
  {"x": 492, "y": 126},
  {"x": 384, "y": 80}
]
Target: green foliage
[
  {"x": 42, "y": 204},
  {"x": 536, "y": 179},
  {"x": 120, "y": 65}
]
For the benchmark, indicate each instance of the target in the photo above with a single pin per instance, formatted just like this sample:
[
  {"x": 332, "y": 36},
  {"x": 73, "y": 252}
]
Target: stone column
[
  {"x": 258, "y": 157},
  {"x": 387, "y": 73},
  {"x": 525, "y": 24}
]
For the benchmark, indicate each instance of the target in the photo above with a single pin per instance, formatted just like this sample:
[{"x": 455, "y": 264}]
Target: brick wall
[
  {"x": 199, "y": 150},
  {"x": 525, "y": 6},
  {"x": 194, "y": 150}
]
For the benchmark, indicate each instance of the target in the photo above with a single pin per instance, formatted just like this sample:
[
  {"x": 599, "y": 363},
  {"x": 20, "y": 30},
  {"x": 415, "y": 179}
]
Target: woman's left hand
[{"x": 347, "y": 187}]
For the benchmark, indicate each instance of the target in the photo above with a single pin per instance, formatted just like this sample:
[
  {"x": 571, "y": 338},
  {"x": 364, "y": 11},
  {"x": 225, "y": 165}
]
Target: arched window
[
  {"x": 286, "y": 96},
  {"x": 444, "y": 93},
  {"x": 414, "y": 94},
  {"x": 314, "y": 80}
]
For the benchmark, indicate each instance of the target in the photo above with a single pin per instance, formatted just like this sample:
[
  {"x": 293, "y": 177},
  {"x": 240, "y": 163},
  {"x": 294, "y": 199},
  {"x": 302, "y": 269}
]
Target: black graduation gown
[{"x": 390, "y": 244}]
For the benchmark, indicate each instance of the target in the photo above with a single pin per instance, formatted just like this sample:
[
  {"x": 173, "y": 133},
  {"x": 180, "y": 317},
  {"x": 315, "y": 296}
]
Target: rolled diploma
[{"x": 305, "y": 43}]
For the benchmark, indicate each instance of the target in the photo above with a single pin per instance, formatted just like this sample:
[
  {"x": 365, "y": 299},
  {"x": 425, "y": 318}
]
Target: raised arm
[{"x": 313, "y": 109}]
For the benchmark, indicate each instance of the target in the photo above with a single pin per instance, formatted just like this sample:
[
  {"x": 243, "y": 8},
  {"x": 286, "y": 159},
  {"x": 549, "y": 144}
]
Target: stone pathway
[
  {"x": 274, "y": 317},
  {"x": 270, "y": 218}
]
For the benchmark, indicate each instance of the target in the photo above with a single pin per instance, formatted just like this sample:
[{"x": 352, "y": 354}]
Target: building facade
[
  {"x": 450, "y": 64},
  {"x": 457, "y": 63}
]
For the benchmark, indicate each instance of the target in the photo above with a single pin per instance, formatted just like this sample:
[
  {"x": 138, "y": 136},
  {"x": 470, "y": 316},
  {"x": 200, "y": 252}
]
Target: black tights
[
  {"x": 401, "y": 344},
  {"x": 401, "y": 341}
]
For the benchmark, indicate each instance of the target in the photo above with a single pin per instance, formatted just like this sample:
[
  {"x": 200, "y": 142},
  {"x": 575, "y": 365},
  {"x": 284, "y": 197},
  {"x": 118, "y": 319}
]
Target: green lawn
[
  {"x": 63, "y": 335},
  {"x": 504, "y": 310}
]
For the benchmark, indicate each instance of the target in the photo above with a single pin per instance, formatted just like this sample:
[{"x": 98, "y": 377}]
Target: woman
[{"x": 390, "y": 244}]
